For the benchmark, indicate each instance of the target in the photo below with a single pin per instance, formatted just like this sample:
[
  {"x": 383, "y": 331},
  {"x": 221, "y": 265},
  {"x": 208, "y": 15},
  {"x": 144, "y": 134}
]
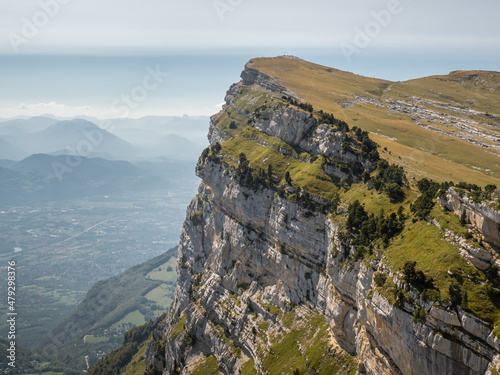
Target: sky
[{"x": 75, "y": 57}]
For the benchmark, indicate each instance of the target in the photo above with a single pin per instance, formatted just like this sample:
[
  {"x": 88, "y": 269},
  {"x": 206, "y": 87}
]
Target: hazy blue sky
[
  {"x": 76, "y": 56},
  {"x": 124, "y": 26}
]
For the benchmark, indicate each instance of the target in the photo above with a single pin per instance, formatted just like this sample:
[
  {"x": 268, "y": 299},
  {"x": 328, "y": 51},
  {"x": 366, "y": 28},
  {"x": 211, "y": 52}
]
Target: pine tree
[{"x": 463, "y": 218}]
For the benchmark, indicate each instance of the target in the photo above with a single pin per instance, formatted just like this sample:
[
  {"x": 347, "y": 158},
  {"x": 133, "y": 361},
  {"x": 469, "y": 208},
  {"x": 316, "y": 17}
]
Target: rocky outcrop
[
  {"x": 290, "y": 256},
  {"x": 215, "y": 134},
  {"x": 251, "y": 263},
  {"x": 287, "y": 124},
  {"x": 300, "y": 129},
  {"x": 482, "y": 216},
  {"x": 478, "y": 257},
  {"x": 251, "y": 76},
  {"x": 425, "y": 112}
]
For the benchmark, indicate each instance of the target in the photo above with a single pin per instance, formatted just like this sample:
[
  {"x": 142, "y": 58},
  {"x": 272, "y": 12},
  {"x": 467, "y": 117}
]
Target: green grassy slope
[
  {"x": 423, "y": 152},
  {"x": 110, "y": 308}
]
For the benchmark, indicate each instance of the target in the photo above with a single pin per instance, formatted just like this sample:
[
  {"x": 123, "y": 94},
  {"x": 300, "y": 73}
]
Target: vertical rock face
[
  {"x": 483, "y": 217},
  {"x": 256, "y": 270},
  {"x": 252, "y": 76}
]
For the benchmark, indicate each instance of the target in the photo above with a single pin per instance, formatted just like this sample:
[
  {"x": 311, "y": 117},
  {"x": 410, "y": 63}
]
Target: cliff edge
[{"x": 304, "y": 253}]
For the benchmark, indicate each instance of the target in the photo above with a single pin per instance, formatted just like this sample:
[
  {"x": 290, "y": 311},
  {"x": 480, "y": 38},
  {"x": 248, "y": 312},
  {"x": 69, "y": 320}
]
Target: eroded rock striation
[
  {"x": 480, "y": 214},
  {"x": 268, "y": 285}
]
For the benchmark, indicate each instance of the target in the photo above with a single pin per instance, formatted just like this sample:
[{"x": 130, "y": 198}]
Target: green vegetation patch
[
  {"x": 315, "y": 355},
  {"x": 91, "y": 339},
  {"x": 207, "y": 366},
  {"x": 251, "y": 98},
  {"x": 231, "y": 123},
  {"x": 305, "y": 175},
  {"x": 275, "y": 310},
  {"x": 390, "y": 291},
  {"x": 448, "y": 220},
  {"x": 136, "y": 318},
  {"x": 263, "y": 325},
  {"x": 137, "y": 365},
  {"x": 166, "y": 272},
  {"x": 372, "y": 200},
  {"x": 130, "y": 355},
  {"x": 161, "y": 295},
  {"x": 423, "y": 243},
  {"x": 248, "y": 368},
  {"x": 179, "y": 327},
  {"x": 287, "y": 319},
  {"x": 370, "y": 229},
  {"x": 220, "y": 333},
  {"x": 464, "y": 285}
]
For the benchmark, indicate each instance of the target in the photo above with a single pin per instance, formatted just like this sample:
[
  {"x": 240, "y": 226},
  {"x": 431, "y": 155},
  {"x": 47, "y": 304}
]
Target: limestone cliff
[
  {"x": 484, "y": 216},
  {"x": 268, "y": 277},
  {"x": 484, "y": 219}
]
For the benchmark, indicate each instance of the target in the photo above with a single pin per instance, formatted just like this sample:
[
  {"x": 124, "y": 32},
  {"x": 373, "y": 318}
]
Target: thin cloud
[
  {"x": 53, "y": 108},
  {"x": 63, "y": 110}
]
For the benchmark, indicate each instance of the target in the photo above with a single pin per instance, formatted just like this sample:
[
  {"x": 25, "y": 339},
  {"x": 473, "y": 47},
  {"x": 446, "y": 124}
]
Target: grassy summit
[{"x": 423, "y": 152}]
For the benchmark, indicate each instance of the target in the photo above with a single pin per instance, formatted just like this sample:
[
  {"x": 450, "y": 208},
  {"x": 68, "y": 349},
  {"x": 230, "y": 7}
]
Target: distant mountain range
[
  {"x": 9, "y": 151},
  {"x": 174, "y": 137},
  {"x": 75, "y": 137},
  {"x": 24, "y": 126},
  {"x": 117, "y": 139},
  {"x": 44, "y": 177}
]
